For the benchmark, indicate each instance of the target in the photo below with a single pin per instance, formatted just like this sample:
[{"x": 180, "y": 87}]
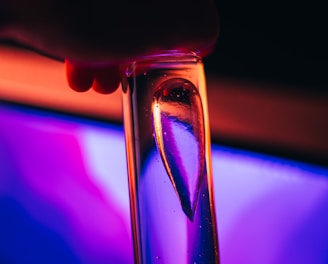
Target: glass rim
[{"x": 167, "y": 57}]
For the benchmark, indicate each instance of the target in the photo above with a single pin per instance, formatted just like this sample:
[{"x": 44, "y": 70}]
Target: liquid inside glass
[{"x": 178, "y": 126}]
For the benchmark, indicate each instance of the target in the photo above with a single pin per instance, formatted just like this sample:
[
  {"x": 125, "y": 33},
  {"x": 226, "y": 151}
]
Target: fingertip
[
  {"x": 106, "y": 80},
  {"x": 206, "y": 51},
  {"x": 79, "y": 78}
]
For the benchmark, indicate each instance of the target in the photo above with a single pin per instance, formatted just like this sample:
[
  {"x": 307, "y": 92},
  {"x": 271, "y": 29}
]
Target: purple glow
[
  {"x": 265, "y": 206},
  {"x": 151, "y": 189},
  {"x": 53, "y": 185},
  {"x": 64, "y": 197}
]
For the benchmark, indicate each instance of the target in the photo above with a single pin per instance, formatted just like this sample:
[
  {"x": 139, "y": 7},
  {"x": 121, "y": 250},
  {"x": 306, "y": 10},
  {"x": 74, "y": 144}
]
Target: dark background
[
  {"x": 273, "y": 41},
  {"x": 281, "y": 42}
]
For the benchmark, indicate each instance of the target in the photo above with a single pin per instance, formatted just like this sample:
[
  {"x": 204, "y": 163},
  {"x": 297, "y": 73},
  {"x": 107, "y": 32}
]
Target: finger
[
  {"x": 79, "y": 78},
  {"x": 106, "y": 79}
]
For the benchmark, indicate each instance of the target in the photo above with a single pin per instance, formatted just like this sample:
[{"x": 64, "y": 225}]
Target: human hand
[{"x": 96, "y": 37}]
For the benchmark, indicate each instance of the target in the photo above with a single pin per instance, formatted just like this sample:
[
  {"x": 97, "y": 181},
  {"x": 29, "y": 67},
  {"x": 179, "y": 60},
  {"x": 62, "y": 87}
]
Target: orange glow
[
  {"x": 255, "y": 113},
  {"x": 34, "y": 79}
]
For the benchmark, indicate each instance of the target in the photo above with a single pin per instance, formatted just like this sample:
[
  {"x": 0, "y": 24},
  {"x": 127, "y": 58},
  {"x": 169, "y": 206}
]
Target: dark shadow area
[{"x": 276, "y": 41}]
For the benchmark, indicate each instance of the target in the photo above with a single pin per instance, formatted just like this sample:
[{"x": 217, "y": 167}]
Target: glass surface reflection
[{"x": 169, "y": 160}]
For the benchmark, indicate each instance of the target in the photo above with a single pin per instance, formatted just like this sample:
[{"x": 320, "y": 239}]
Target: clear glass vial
[{"x": 169, "y": 160}]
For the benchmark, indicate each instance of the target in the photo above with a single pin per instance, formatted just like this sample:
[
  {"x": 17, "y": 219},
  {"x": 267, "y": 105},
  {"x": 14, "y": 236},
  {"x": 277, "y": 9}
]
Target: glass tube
[{"x": 169, "y": 161}]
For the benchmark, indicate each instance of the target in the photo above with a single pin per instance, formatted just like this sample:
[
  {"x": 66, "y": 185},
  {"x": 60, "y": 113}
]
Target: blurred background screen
[{"x": 64, "y": 196}]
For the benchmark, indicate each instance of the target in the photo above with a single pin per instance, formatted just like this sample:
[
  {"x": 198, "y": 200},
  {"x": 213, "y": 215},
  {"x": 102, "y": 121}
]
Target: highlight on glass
[{"x": 169, "y": 160}]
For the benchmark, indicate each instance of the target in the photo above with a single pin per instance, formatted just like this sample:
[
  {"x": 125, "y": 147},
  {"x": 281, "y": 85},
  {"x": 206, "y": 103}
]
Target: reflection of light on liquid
[{"x": 179, "y": 134}]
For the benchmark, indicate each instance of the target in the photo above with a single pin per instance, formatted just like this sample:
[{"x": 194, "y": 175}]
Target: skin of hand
[{"x": 96, "y": 37}]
